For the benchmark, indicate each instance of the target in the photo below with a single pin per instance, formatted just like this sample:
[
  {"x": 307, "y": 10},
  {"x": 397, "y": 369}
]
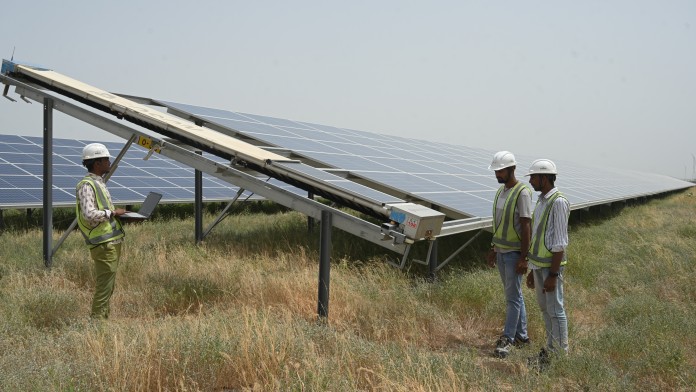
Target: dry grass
[{"x": 239, "y": 312}]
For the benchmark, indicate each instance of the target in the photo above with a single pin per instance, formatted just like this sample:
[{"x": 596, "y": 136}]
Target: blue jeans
[
  {"x": 551, "y": 305},
  {"x": 515, "y": 311}
]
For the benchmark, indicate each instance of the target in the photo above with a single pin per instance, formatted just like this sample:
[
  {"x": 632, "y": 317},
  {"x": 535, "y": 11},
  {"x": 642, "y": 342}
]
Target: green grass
[{"x": 239, "y": 311}]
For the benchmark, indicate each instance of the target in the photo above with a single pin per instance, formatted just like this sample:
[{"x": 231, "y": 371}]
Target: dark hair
[
  {"x": 89, "y": 163},
  {"x": 551, "y": 178}
]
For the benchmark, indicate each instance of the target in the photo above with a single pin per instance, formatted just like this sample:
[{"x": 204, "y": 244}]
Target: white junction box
[{"x": 416, "y": 221}]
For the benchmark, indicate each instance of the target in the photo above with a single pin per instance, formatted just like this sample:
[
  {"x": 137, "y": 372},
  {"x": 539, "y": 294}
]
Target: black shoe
[
  {"x": 502, "y": 347},
  {"x": 521, "y": 342}
]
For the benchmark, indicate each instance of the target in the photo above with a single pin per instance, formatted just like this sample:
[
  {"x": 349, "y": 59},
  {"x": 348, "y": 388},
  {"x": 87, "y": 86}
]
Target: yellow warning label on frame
[{"x": 147, "y": 143}]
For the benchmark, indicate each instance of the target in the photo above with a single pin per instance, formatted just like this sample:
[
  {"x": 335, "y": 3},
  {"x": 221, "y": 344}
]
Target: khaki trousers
[{"x": 106, "y": 257}]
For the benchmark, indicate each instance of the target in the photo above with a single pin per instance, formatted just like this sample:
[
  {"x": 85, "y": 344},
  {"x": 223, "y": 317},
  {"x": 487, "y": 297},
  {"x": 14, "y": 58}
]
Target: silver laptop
[{"x": 146, "y": 209}]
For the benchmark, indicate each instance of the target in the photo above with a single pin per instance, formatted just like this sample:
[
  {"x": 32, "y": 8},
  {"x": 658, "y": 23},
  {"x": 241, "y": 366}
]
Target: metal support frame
[
  {"x": 198, "y": 204},
  {"x": 324, "y": 266},
  {"x": 222, "y": 214},
  {"x": 48, "y": 181},
  {"x": 230, "y": 174},
  {"x": 344, "y": 221},
  {"x": 104, "y": 101},
  {"x": 404, "y": 258},
  {"x": 432, "y": 258},
  {"x": 456, "y": 252},
  {"x": 310, "y": 220}
]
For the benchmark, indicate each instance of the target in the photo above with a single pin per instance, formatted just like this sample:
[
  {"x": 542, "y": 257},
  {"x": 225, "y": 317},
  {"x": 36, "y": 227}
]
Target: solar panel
[
  {"x": 340, "y": 184},
  {"x": 21, "y": 174},
  {"x": 450, "y": 177},
  {"x": 387, "y": 167}
]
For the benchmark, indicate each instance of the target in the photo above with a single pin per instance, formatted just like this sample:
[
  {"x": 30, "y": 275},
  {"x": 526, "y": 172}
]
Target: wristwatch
[{"x": 554, "y": 274}]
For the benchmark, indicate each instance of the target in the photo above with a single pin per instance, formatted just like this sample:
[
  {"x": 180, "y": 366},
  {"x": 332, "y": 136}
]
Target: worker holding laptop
[{"x": 99, "y": 222}]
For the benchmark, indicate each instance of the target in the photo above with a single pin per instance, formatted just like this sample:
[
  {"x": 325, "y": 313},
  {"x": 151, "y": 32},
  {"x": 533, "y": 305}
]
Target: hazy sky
[{"x": 610, "y": 83}]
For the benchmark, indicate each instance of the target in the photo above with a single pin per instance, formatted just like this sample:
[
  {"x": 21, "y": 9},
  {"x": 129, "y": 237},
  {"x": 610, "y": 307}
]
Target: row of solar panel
[
  {"x": 443, "y": 174},
  {"x": 21, "y": 175}
]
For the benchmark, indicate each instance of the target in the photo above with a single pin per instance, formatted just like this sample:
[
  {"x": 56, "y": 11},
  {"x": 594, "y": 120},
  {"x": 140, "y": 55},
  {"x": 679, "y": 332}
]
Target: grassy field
[{"x": 239, "y": 312}]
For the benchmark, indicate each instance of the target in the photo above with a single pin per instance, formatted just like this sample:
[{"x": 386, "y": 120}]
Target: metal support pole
[
  {"x": 310, "y": 220},
  {"x": 324, "y": 266},
  {"x": 48, "y": 182},
  {"x": 223, "y": 214},
  {"x": 198, "y": 204},
  {"x": 432, "y": 260}
]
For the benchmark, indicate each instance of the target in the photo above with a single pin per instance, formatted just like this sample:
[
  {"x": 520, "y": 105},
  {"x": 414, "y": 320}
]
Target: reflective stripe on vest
[
  {"x": 105, "y": 231},
  {"x": 539, "y": 254},
  {"x": 505, "y": 235}
]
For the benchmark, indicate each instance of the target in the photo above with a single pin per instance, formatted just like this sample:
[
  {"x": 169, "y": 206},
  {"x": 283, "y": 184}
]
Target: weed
[{"x": 238, "y": 312}]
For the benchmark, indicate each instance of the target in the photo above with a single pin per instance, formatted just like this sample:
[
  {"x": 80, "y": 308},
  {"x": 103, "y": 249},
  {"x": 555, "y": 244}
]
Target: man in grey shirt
[{"x": 512, "y": 211}]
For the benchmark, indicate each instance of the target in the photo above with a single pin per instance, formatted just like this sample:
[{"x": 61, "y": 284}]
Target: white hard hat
[
  {"x": 542, "y": 166},
  {"x": 94, "y": 150},
  {"x": 501, "y": 160}
]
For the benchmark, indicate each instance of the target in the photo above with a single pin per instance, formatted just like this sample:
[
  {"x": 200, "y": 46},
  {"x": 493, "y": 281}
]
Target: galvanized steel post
[
  {"x": 48, "y": 182},
  {"x": 198, "y": 203},
  {"x": 324, "y": 265}
]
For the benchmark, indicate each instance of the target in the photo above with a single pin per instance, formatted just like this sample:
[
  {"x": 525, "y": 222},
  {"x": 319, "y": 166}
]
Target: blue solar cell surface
[
  {"x": 445, "y": 175},
  {"x": 21, "y": 175},
  {"x": 340, "y": 184}
]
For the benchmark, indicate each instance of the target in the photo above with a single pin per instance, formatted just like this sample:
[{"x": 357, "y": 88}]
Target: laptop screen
[{"x": 150, "y": 203}]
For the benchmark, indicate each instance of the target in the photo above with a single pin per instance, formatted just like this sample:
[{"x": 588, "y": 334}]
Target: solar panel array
[
  {"x": 21, "y": 175},
  {"x": 442, "y": 174},
  {"x": 453, "y": 177}
]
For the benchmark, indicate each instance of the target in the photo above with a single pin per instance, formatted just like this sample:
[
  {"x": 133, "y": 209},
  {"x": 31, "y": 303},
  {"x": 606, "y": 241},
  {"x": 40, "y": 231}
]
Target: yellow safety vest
[
  {"x": 105, "y": 231},
  {"x": 505, "y": 234},
  {"x": 539, "y": 254}
]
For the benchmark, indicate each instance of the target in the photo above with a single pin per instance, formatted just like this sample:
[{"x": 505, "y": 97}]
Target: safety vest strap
[{"x": 102, "y": 238}]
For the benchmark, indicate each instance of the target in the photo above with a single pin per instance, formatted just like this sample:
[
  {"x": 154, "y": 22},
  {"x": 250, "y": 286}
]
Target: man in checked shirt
[
  {"x": 98, "y": 222},
  {"x": 547, "y": 257}
]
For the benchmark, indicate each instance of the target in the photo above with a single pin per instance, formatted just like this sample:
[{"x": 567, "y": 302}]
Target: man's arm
[
  {"x": 558, "y": 230},
  {"x": 524, "y": 208},
  {"x": 525, "y": 234},
  {"x": 490, "y": 257}
]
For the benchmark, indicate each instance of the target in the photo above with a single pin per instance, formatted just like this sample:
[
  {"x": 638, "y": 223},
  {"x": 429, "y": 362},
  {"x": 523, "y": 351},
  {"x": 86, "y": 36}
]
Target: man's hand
[
  {"x": 530, "y": 279},
  {"x": 490, "y": 258},
  {"x": 119, "y": 211},
  {"x": 549, "y": 284},
  {"x": 522, "y": 265}
]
